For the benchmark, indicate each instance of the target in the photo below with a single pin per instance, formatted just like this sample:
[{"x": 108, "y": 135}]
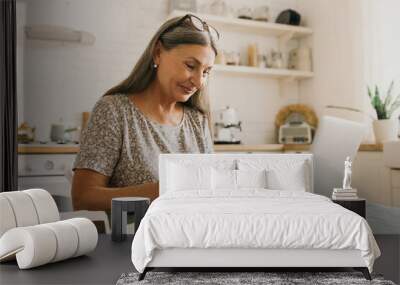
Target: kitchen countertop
[
  {"x": 74, "y": 148},
  {"x": 48, "y": 148},
  {"x": 284, "y": 147}
]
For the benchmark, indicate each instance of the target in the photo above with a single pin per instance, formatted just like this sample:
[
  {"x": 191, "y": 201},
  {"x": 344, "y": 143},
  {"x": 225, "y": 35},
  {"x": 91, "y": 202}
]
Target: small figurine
[{"x": 347, "y": 174}]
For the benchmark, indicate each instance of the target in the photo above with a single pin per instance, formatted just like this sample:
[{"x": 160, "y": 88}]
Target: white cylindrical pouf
[
  {"x": 7, "y": 218},
  {"x": 34, "y": 246},
  {"x": 67, "y": 239},
  {"x": 87, "y": 234},
  {"x": 45, "y": 205},
  {"x": 23, "y": 207},
  {"x": 40, "y": 247}
]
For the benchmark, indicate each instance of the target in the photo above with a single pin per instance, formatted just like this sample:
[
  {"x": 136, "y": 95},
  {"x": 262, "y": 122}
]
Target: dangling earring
[{"x": 155, "y": 66}]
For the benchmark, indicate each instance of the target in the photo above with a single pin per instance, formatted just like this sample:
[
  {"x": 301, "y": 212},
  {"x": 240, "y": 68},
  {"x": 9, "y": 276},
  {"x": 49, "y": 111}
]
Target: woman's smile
[{"x": 187, "y": 90}]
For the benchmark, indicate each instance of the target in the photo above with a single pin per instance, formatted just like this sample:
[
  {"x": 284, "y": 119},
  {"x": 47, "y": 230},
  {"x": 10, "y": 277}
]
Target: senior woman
[{"x": 160, "y": 108}]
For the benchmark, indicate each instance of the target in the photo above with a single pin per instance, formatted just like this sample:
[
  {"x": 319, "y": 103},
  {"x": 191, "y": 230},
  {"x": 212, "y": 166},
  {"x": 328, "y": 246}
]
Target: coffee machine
[{"x": 227, "y": 127}]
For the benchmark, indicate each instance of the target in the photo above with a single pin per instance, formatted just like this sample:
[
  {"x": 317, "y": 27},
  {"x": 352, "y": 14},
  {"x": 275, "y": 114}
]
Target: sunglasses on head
[{"x": 198, "y": 24}]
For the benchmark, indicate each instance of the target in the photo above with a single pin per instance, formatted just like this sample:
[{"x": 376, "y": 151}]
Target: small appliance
[
  {"x": 227, "y": 127},
  {"x": 295, "y": 133},
  {"x": 295, "y": 130}
]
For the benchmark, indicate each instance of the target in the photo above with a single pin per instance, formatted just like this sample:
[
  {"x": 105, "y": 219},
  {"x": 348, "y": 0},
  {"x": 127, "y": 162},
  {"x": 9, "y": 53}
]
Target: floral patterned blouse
[{"x": 122, "y": 143}]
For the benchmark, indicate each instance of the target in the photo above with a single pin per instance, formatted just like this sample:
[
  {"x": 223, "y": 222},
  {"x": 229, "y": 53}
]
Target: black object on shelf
[{"x": 289, "y": 17}]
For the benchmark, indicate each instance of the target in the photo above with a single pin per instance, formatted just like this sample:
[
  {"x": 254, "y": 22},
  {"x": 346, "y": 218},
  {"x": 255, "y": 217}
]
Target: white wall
[
  {"x": 61, "y": 81},
  {"x": 354, "y": 45},
  {"x": 382, "y": 45},
  {"x": 337, "y": 54},
  {"x": 257, "y": 99}
]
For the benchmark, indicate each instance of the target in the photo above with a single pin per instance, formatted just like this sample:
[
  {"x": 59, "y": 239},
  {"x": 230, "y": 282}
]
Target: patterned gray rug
[{"x": 243, "y": 278}]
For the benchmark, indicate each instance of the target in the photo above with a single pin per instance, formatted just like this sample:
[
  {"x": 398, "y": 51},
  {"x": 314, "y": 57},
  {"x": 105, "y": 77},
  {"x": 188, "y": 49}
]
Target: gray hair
[{"x": 170, "y": 35}]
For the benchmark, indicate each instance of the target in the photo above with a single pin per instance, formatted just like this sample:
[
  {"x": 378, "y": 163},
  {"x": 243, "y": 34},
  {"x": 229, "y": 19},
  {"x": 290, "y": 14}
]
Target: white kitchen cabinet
[
  {"x": 47, "y": 171},
  {"x": 395, "y": 174},
  {"x": 395, "y": 181}
]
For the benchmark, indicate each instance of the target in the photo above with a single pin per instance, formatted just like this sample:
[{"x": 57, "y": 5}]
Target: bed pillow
[
  {"x": 223, "y": 179},
  {"x": 181, "y": 177},
  {"x": 282, "y": 174},
  {"x": 293, "y": 179},
  {"x": 229, "y": 179},
  {"x": 251, "y": 178}
]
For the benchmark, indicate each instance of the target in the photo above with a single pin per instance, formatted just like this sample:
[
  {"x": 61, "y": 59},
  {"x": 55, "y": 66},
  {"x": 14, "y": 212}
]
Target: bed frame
[
  {"x": 242, "y": 259},
  {"x": 249, "y": 259}
]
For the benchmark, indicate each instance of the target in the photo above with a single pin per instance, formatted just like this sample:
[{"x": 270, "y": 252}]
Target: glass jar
[{"x": 261, "y": 13}]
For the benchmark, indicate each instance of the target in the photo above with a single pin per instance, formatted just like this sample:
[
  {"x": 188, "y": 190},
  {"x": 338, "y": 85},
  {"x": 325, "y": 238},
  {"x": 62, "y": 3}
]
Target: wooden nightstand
[{"x": 357, "y": 205}]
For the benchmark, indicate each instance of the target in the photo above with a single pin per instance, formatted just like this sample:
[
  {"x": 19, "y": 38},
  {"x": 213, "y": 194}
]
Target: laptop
[{"x": 334, "y": 140}]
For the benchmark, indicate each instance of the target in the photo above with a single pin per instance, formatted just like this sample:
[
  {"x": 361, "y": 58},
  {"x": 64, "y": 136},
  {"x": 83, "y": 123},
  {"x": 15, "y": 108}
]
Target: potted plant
[{"x": 385, "y": 128}]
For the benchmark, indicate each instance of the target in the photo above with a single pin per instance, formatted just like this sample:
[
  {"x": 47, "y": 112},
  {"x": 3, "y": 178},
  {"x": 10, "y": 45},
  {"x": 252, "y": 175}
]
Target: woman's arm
[{"x": 90, "y": 191}]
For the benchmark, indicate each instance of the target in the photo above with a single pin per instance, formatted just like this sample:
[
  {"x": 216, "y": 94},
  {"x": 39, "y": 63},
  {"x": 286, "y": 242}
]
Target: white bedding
[{"x": 251, "y": 218}]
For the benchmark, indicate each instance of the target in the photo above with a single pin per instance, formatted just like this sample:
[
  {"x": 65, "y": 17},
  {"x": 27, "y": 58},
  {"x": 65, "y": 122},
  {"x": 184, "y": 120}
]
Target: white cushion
[
  {"x": 228, "y": 179},
  {"x": 246, "y": 161},
  {"x": 282, "y": 174},
  {"x": 40, "y": 244},
  {"x": 223, "y": 179},
  {"x": 23, "y": 208},
  {"x": 293, "y": 179},
  {"x": 87, "y": 233},
  {"x": 67, "y": 239},
  {"x": 182, "y": 177},
  {"x": 7, "y": 220},
  {"x": 26, "y": 208},
  {"x": 45, "y": 205},
  {"x": 34, "y": 244},
  {"x": 251, "y": 178}
]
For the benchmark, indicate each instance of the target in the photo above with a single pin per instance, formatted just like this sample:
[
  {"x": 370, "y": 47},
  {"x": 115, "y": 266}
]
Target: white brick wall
[{"x": 63, "y": 81}]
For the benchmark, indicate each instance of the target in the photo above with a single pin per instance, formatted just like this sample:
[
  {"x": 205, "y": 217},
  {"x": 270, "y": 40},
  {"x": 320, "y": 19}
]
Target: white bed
[{"x": 201, "y": 220}]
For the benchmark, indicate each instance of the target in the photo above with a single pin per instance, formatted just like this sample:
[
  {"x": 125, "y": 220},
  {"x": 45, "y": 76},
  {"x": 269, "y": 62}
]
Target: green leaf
[
  {"x": 394, "y": 107},
  {"x": 379, "y": 108},
  {"x": 397, "y": 98},
  {"x": 369, "y": 93},
  {"x": 388, "y": 98},
  {"x": 377, "y": 91},
  {"x": 384, "y": 106}
]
